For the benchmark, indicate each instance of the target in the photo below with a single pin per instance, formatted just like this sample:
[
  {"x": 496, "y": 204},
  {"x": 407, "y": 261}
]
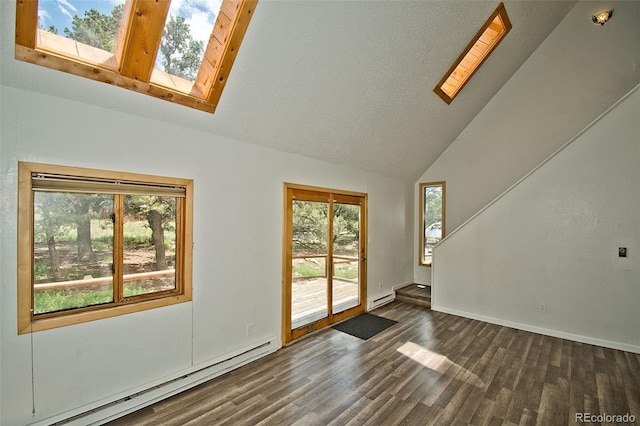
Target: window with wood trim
[
  {"x": 141, "y": 45},
  {"x": 432, "y": 219},
  {"x": 94, "y": 244}
]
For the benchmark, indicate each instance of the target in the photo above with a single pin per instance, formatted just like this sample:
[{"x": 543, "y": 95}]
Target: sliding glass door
[
  {"x": 309, "y": 266},
  {"x": 324, "y": 258}
]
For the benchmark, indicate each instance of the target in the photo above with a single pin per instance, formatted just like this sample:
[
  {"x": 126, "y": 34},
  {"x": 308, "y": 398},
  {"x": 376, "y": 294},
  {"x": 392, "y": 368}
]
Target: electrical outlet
[
  {"x": 250, "y": 329},
  {"x": 542, "y": 307}
]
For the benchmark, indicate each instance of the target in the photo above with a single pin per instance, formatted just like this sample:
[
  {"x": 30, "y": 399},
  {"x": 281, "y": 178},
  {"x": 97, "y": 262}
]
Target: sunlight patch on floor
[{"x": 440, "y": 363}]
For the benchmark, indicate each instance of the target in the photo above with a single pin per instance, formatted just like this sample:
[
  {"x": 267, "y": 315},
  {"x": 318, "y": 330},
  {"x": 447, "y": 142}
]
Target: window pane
[
  {"x": 432, "y": 220},
  {"x": 149, "y": 244},
  {"x": 72, "y": 250},
  {"x": 186, "y": 34},
  {"x": 92, "y": 22},
  {"x": 309, "y": 263},
  {"x": 346, "y": 257}
]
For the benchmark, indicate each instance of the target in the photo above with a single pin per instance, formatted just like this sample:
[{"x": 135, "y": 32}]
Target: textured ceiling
[
  {"x": 352, "y": 82},
  {"x": 349, "y": 82}
]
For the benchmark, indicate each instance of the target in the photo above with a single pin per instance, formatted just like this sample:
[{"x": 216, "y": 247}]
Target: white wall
[
  {"x": 553, "y": 239},
  {"x": 577, "y": 73},
  {"x": 237, "y": 256}
]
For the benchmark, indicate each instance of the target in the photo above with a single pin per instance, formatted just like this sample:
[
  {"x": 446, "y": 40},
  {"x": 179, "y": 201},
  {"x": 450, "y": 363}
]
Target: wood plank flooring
[
  {"x": 415, "y": 293},
  {"x": 429, "y": 369}
]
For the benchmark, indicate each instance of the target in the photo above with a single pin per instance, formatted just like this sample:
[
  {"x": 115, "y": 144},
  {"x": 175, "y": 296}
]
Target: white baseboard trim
[
  {"x": 124, "y": 403},
  {"x": 404, "y": 284},
  {"x": 539, "y": 330}
]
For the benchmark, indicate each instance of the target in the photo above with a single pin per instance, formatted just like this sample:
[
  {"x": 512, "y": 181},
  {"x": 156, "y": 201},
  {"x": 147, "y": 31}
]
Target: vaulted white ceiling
[{"x": 349, "y": 82}]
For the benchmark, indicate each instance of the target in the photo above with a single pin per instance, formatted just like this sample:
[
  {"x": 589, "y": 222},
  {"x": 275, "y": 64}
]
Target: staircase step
[{"x": 418, "y": 294}]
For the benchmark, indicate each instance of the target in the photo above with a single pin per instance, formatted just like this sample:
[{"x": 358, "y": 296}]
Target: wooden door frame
[{"x": 289, "y": 335}]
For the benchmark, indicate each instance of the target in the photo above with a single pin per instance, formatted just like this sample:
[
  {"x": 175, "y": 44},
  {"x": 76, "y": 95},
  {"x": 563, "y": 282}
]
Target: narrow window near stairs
[{"x": 432, "y": 219}]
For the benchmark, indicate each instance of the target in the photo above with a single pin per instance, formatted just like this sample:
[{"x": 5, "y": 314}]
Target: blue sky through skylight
[
  {"x": 199, "y": 14},
  {"x": 59, "y": 13}
]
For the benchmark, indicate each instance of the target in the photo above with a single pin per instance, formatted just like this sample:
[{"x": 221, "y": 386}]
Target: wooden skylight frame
[
  {"x": 474, "y": 55},
  {"x": 132, "y": 64}
]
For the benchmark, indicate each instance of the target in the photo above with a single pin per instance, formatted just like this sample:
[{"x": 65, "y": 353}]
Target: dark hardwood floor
[
  {"x": 417, "y": 294},
  {"x": 430, "y": 368}
]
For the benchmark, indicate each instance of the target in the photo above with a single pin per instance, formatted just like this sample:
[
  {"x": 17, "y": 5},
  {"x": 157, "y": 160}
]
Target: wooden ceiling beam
[
  {"x": 26, "y": 23},
  {"x": 140, "y": 36}
]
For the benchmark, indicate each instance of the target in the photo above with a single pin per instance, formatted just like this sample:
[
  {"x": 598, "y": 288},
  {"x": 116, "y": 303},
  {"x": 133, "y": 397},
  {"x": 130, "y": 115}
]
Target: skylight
[
  {"x": 186, "y": 33},
  {"x": 180, "y": 50},
  {"x": 57, "y": 17},
  {"x": 476, "y": 52}
]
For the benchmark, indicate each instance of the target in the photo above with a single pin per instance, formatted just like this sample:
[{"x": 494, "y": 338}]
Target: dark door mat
[{"x": 364, "y": 325}]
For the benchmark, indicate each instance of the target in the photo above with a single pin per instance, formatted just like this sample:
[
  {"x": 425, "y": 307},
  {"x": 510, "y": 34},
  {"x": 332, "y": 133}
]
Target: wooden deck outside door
[{"x": 324, "y": 259}]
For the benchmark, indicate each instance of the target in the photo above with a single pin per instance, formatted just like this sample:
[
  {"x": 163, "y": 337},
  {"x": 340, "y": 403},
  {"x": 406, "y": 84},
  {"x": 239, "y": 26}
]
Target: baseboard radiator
[
  {"x": 382, "y": 300},
  {"x": 105, "y": 411}
]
